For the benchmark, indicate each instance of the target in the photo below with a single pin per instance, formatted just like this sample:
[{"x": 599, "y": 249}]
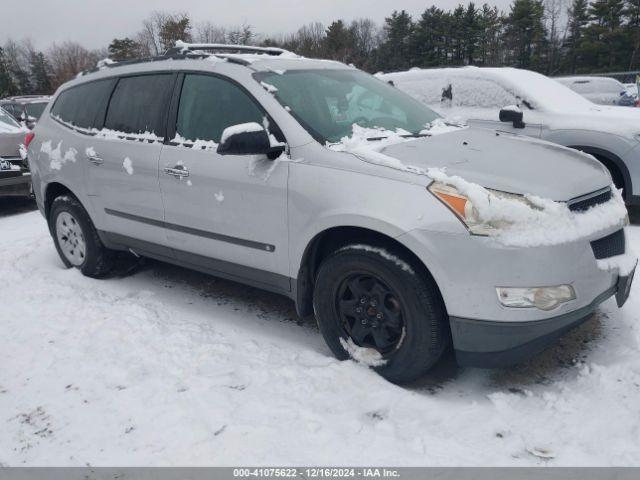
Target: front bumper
[
  {"x": 487, "y": 344},
  {"x": 468, "y": 269},
  {"x": 19, "y": 185}
]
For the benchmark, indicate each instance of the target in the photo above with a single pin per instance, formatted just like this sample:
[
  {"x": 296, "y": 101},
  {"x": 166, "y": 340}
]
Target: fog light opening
[{"x": 542, "y": 298}]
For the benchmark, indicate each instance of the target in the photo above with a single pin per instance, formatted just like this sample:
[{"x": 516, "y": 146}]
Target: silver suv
[{"x": 308, "y": 178}]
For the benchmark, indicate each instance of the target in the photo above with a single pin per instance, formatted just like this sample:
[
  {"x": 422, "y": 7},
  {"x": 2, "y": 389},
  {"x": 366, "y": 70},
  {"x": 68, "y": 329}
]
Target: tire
[
  {"x": 423, "y": 333},
  {"x": 82, "y": 248}
]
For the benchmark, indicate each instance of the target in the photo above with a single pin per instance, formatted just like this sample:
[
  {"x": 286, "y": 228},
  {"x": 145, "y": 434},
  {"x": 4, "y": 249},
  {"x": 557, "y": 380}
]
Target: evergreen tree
[
  {"x": 123, "y": 49},
  {"x": 396, "y": 49},
  {"x": 7, "y": 85},
  {"x": 525, "y": 34},
  {"x": 489, "y": 41},
  {"x": 577, "y": 19},
  {"x": 338, "y": 41},
  {"x": 632, "y": 14},
  {"x": 40, "y": 74},
  {"x": 428, "y": 38},
  {"x": 173, "y": 29}
]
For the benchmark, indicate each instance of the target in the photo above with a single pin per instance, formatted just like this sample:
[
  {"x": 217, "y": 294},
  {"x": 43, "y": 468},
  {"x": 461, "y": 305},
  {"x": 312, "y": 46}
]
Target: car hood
[{"x": 506, "y": 162}]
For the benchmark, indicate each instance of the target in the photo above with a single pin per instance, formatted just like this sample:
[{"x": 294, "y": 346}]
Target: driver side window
[{"x": 210, "y": 104}]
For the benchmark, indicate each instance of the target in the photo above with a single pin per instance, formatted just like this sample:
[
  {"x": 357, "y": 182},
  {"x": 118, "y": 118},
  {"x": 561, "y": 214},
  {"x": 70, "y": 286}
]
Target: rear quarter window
[
  {"x": 138, "y": 104},
  {"x": 82, "y": 106}
]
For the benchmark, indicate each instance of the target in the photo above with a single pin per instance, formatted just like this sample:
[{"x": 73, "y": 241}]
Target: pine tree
[
  {"x": 632, "y": 14},
  {"x": 427, "y": 40},
  {"x": 338, "y": 41},
  {"x": 7, "y": 86},
  {"x": 603, "y": 44},
  {"x": 396, "y": 51},
  {"x": 123, "y": 49},
  {"x": 577, "y": 19},
  {"x": 526, "y": 34},
  {"x": 173, "y": 29},
  {"x": 40, "y": 74},
  {"x": 489, "y": 42}
]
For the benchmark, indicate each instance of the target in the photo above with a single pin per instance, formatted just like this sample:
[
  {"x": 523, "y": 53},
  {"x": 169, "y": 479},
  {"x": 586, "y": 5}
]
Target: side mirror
[
  {"x": 512, "y": 114},
  {"x": 248, "y": 139}
]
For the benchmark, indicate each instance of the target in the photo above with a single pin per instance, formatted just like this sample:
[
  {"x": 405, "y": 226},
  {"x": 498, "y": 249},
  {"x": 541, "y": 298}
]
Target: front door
[{"x": 223, "y": 213}]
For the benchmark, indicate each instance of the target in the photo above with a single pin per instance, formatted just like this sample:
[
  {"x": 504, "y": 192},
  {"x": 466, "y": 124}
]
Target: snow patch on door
[{"x": 127, "y": 165}]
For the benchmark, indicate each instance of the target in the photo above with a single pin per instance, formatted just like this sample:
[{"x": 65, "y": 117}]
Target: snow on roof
[{"x": 539, "y": 91}]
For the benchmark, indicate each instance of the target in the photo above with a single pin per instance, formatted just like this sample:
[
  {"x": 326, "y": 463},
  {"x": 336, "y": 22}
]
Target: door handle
[
  {"x": 95, "y": 159},
  {"x": 178, "y": 171}
]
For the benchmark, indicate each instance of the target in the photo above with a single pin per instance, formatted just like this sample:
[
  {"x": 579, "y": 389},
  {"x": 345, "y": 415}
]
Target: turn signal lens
[{"x": 461, "y": 206}]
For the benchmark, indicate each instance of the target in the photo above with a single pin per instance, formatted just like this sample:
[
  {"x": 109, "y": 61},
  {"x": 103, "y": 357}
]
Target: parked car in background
[
  {"x": 15, "y": 179},
  {"x": 632, "y": 89},
  {"x": 600, "y": 90},
  {"x": 317, "y": 181},
  {"x": 545, "y": 109},
  {"x": 26, "y": 109}
]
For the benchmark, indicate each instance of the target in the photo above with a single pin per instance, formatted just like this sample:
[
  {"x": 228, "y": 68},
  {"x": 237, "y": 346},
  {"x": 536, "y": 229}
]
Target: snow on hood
[
  {"x": 498, "y": 161},
  {"x": 534, "y": 221},
  {"x": 524, "y": 218},
  {"x": 366, "y": 143}
]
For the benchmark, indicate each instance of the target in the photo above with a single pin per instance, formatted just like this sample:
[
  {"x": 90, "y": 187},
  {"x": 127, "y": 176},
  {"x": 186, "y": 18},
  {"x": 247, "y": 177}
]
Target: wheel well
[
  {"x": 333, "y": 239},
  {"x": 617, "y": 168},
  {"x": 53, "y": 191}
]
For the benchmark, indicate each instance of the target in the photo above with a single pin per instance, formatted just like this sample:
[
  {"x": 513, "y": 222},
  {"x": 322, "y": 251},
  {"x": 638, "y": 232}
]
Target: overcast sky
[{"x": 94, "y": 23}]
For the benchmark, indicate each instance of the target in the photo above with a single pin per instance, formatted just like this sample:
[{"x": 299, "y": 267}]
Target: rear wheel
[
  {"x": 374, "y": 306},
  {"x": 76, "y": 239}
]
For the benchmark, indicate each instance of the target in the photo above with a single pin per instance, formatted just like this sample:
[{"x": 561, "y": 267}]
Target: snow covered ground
[{"x": 170, "y": 367}]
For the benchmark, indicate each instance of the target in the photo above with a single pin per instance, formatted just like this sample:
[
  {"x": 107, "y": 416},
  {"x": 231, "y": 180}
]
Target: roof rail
[{"x": 214, "y": 48}]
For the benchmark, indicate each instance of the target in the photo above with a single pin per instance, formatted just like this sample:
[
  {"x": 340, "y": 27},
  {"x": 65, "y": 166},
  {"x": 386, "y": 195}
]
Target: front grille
[
  {"x": 609, "y": 246},
  {"x": 585, "y": 202}
]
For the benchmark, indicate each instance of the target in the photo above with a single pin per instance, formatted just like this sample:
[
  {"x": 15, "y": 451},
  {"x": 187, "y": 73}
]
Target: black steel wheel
[
  {"x": 371, "y": 298},
  {"x": 371, "y": 312}
]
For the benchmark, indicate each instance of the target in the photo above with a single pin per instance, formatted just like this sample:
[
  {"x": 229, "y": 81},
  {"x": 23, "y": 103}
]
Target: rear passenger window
[
  {"x": 210, "y": 104},
  {"x": 80, "y": 106},
  {"x": 138, "y": 104}
]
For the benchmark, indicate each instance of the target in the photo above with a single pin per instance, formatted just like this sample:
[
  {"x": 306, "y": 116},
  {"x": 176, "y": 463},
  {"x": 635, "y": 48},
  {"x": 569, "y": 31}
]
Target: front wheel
[
  {"x": 76, "y": 239},
  {"x": 375, "y": 307}
]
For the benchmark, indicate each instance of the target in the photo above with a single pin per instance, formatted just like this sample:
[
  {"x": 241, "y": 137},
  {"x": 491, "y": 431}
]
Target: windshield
[
  {"x": 35, "y": 109},
  {"x": 328, "y": 102},
  {"x": 6, "y": 119}
]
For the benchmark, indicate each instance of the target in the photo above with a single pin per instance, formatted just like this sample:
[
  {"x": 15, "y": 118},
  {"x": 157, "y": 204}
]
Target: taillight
[{"x": 28, "y": 138}]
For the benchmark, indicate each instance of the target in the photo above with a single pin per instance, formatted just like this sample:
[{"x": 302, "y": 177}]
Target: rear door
[
  {"x": 122, "y": 173},
  {"x": 226, "y": 213}
]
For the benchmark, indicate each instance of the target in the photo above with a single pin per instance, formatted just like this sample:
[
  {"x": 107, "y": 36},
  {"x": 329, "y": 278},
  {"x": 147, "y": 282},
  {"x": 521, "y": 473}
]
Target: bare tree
[
  {"x": 160, "y": 31},
  {"x": 208, "y": 32},
  {"x": 149, "y": 36},
  {"x": 242, "y": 35},
  {"x": 553, "y": 17},
  {"x": 310, "y": 39},
  {"x": 366, "y": 35},
  {"x": 70, "y": 58}
]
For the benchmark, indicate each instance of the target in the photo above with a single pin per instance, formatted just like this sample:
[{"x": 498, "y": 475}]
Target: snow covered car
[
  {"x": 600, "y": 90},
  {"x": 549, "y": 111},
  {"x": 15, "y": 179},
  {"x": 401, "y": 233},
  {"x": 26, "y": 109}
]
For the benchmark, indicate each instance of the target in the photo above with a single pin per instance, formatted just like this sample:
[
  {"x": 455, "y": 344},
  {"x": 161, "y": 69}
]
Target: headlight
[
  {"x": 544, "y": 298},
  {"x": 465, "y": 210}
]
